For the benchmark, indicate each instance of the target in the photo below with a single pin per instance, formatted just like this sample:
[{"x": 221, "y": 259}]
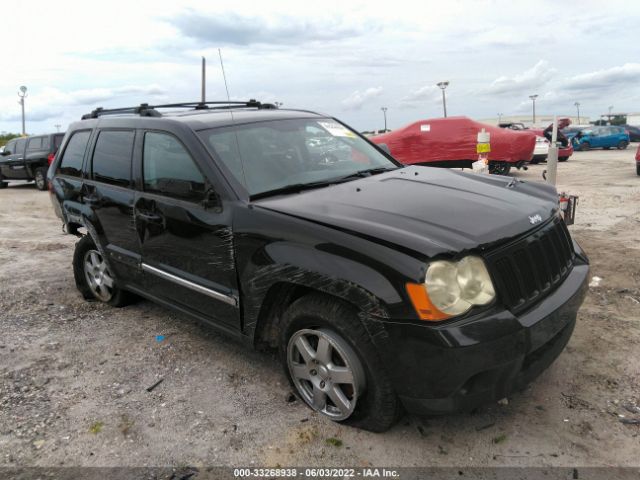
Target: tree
[{"x": 5, "y": 137}]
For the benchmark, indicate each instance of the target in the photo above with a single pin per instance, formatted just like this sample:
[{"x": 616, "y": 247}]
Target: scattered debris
[
  {"x": 290, "y": 398},
  {"x": 484, "y": 426},
  {"x": 96, "y": 427},
  {"x": 421, "y": 430},
  {"x": 503, "y": 401},
  {"x": 500, "y": 439},
  {"x": 152, "y": 387},
  {"x": 595, "y": 281},
  {"x": 630, "y": 421},
  {"x": 336, "y": 442},
  {"x": 38, "y": 444},
  {"x": 631, "y": 408},
  {"x": 159, "y": 338}
]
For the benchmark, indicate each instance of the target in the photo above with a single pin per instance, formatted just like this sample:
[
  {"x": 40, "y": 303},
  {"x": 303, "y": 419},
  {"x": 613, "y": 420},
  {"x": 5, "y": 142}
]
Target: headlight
[{"x": 452, "y": 288}]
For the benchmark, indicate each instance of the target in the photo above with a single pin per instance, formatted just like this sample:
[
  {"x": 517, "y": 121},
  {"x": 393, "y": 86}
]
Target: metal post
[
  {"x": 499, "y": 118},
  {"x": 442, "y": 86},
  {"x": 384, "y": 112},
  {"x": 204, "y": 62},
  {"x": 533, "y": 99},
  {"x": 552, "y": 157},
  {"x": 577, "y": 104},
  {"x": 23, "y": 93}
]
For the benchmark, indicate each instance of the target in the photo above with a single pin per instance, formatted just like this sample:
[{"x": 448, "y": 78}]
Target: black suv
[
  {"x": 380, "y": 285},
  {"x": 29, "y": 158}
]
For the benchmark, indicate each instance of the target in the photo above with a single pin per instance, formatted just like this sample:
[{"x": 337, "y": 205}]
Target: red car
[
  {"x": 563, "y": 152},
  {"x": 451, "y": 142},
  {"x": 638, "y": 160}
]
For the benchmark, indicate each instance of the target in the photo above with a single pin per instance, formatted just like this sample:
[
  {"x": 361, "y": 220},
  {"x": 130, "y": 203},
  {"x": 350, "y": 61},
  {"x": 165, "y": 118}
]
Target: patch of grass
[
  {"x": 336, "y": 442},
  {"x": 96, "y": 427},
  {"x": 500, "y": 439}
]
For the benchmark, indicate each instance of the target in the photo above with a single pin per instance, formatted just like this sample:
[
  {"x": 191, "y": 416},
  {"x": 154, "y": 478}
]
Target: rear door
[
  {"x": 187, "y": 244},
  {"x": 36, "y": 153},
  {"x": 13, "y": 164},
  {"x": 109, "y": 193}
]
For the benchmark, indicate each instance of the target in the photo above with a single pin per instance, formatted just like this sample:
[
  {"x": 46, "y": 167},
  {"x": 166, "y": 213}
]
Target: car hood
[{"x": 427, "y": 210}]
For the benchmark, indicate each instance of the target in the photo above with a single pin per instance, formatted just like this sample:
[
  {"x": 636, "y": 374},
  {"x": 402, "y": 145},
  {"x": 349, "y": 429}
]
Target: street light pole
[
  {"x": 610, "y": 108},
  {"x": 442, "y": 86},
  {"x": 577, "y": 104},
  {"x": 57, "y": 125},
  {"x": 533, "y": 99},
  {"x": 22, "y": 93},
  {"x": 384, "y": 112},
  {"x": 499, "y": 118}
]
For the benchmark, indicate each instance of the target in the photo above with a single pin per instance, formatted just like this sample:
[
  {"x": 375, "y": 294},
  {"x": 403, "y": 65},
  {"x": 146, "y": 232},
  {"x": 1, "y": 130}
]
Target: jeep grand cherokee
[{"x": 381, "y": 286}]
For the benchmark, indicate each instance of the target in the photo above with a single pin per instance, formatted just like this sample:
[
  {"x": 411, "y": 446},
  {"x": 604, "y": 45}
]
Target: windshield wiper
[
  {"x": 368, "y": 172},
  {"x": 292, "y": 188}
]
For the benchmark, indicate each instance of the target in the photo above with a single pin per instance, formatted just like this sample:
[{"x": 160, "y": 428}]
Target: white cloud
[
  {"x": 428, "y": 94},
  {"x": 523, "y": 83},
  {"x": 627, "y": 74},
  {"x": 357, "y": 99}
]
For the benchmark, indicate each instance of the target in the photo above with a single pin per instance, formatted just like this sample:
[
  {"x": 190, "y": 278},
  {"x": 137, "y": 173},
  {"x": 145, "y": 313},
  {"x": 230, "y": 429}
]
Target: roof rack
[{"x": 146, "y": 110}]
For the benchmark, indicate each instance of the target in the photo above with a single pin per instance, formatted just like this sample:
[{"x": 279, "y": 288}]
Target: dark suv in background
[
  {"x": 380, "y": 285},
  {"x": 29, "y": 158}
]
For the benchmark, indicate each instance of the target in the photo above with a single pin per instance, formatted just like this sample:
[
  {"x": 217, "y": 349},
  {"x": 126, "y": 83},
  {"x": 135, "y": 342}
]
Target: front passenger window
[{"x": 169, "y": 170}]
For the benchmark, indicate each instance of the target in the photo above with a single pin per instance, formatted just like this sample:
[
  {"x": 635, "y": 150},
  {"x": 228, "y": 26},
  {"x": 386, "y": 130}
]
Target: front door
[
  {"x": 13, "y": 164},
  {"x": 187, "y": 241}
]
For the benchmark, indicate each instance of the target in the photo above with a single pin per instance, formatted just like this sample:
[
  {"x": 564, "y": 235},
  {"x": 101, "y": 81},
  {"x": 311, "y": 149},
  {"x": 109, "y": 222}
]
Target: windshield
[{"x": 272, "y": 155}]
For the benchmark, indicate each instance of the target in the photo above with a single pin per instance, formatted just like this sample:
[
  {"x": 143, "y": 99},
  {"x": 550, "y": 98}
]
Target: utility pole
[
  {"x": 577, "y": 104},
  {"x": 533, "y": 99},
  {"x": 204, "y": 64},
  {"x": 384, "y": 112},
  {"x": 22, "y": 93},
  {"x": 442, "y": 86},
  {"x": 57, "y": 125}
]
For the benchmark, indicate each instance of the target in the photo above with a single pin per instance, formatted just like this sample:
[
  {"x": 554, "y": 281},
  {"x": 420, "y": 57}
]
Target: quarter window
[
  {"x": 35, "y": 143},
  {"x": 71, "y": 163},
  {"x": 169, "y": 170},
  {"x": 112, "y": 157}
]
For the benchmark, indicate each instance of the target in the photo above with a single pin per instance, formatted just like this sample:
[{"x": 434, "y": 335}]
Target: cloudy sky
[{"x": 342, "y": 58}]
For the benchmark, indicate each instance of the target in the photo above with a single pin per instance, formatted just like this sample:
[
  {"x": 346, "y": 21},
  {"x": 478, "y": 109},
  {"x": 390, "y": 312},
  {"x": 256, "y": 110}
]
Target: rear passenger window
[
  {"x": 35, "y": 143},
  {"x": 169, "y": 170},
  {"x": 71, "y": 163},
  {"x": 112, "y": 157}
]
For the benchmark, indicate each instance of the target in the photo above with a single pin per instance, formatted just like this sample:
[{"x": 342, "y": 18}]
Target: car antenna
[{"x": 233, "y": 120}]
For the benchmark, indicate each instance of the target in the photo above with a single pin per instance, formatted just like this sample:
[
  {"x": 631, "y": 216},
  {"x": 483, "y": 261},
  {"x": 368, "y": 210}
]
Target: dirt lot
[{"x": 73, "y": 375}]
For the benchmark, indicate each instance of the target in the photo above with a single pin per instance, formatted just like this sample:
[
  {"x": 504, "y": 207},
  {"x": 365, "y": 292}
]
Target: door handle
[
  {"x": 150, "y": 217},
  {"x": 91, "y": 200}
]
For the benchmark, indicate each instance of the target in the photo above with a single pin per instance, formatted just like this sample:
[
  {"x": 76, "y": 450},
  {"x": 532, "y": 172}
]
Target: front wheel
[
  {"x": 499, "y": 168},
  {"x": 563, "y": 159},
  {"x": 623, "y": 145},
  {"x": 41, "y": 178},
  {"x": 585, "y": 146},
  {"x": 334, "y": 367},
  {"x": 93, "y": 276}
]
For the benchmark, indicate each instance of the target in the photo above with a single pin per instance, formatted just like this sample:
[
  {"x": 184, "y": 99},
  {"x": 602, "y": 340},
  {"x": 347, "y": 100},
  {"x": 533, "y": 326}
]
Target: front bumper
[{"x": 458, "y": 366}]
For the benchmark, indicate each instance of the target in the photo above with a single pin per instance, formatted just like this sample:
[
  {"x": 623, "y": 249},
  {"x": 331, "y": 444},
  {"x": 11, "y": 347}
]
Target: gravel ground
[{"x": 74, "y": 375}]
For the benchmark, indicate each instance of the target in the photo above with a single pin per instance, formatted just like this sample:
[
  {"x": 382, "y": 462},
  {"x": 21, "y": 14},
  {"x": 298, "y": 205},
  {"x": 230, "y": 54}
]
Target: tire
[
  {"x": 606, "y": 148},
  {"x": 372, "y": 402},
  {"x": 585, "y": 146},
  {"x": 499, "y": 168},
  {"x": 534, "y": 161},
  {"x": 622, "y": 145},
  {"x": 3, "y": 184},
  {"x": 96, "y": 282},
  {"x": 40, "y": 178},
  {"x": 563, "y": 159},
  {"x": 638, "y": 169}
]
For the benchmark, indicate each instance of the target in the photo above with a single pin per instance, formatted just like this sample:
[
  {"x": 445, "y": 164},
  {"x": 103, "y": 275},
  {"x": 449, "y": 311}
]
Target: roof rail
[{"x": 146, "y": 110}]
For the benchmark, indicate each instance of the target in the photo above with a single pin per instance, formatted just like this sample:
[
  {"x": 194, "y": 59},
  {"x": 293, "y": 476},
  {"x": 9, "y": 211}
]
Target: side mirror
[
  {"x": 212, "y": 200},
  {"x": 384, "y": 147},
  {"x": 5, "y": 153}
]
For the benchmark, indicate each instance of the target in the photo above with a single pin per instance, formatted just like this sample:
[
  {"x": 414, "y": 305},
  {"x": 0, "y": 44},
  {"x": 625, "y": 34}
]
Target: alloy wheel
[
  {"x": 98, "y": 276},
  {"x": 326, "y": 371}
]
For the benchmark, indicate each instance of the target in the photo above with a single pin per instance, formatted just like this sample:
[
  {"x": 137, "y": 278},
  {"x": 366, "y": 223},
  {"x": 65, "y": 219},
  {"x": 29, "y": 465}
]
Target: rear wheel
[
  {"x": 563, "y": 159},
  {"x": 334, "y": 367},
  {"x": 3, "y": 184},
  {"x": 499, "y": 168},
  {"x": 585, "y": 146},
  {"x": 622, "y": 145},
  {"x": 41, "y": 178},
  {"x": 93, "y": 277}
]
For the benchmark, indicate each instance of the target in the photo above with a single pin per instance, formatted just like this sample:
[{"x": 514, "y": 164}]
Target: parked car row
[{"x": 29, "y": 158}]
